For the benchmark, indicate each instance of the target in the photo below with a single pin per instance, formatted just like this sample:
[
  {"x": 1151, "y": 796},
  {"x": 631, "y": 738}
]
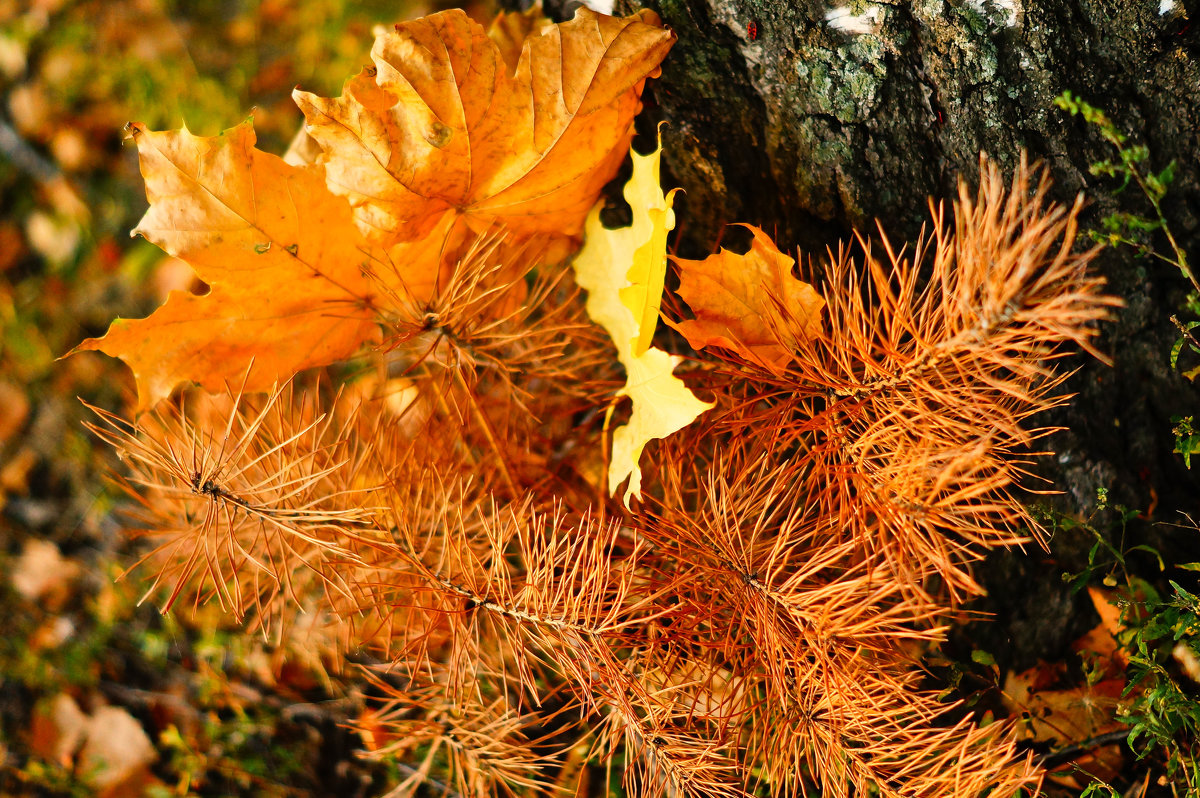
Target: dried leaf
[
  {"x": 58, "y": 728},
  {"x": 14, "y": 409},
  {"x": 741, "y": 301},
  {"x": 647, "y": 237},
  {"x": 444, "y": 124},
  {"x": 1188, "y": 662},
  {"x": 109, "y": 749},
  {"x": 662, "y": 405},
  {"x": 286, "y": 266},
  {"x": 117, "y": 749},
  {"x": 14, "y": 472},
  {"x": 623, "y": 271},
  {"x": 1063, "y": 716},
  {"x": 293, "y": 283},
  {"x": 41, "y": 573},
  {"x": 1105, "y": 603}
]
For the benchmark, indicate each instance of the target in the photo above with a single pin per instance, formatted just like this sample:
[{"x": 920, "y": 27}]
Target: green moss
[{"x": 842, "y": 83}]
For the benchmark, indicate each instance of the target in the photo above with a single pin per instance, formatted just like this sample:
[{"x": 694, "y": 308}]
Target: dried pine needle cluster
[
  {"x": 811, "y": 500},
  {"x": 751, "y": 626}
]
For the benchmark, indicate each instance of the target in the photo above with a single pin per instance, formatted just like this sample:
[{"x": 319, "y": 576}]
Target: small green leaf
[
  {"x": 1180, "y": 591},
  {"x": 1157, "y": 189},
  {"x": 983, "y": 658},
  {"x": 1067, "y": 102}
]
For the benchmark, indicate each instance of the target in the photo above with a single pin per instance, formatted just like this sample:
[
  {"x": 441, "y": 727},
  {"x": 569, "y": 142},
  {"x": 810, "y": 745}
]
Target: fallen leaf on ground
[
  {"x": 14, "y": 474},
  {"x": 1188, "y": 661},
  {"x": 109, "y": 751},
  {"x": 172, "y": 274},
  {"x": 42, "y": 574},
  {"x": 52, "y": 633},
  {"x": 12, "y": 246},
  {"x": 54, "y": 238},
  {"x": 1106, "y": 607},
  {"x": 623, "y": 270},
  {"x": 14, "y": 409},
  {"x": 117, "y": 751},
  {"x": 1070, "y": 716},
  {"x": 1102, "y": 640},
  {"x": 744, "y": 303},
  {"x": 58, "y": 728},
  {"x": 509, "y": 31},
  {"x": 442, "y": 130}
]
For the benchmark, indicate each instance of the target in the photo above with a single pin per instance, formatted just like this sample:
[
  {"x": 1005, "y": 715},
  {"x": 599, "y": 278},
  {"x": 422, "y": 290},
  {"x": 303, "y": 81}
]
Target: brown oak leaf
[{"x": 749, "y": 304}]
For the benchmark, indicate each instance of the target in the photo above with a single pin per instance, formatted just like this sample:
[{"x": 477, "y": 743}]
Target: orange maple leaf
[
  {"x": 445, "y": 122},
  {"x": 463, "y": 130},
  {"x": 287, "y": 267},
  {"x": 740, "y": 302}
]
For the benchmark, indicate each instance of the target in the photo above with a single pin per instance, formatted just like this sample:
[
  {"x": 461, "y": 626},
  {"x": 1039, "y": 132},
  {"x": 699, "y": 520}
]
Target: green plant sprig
[
  {"x": 1120, "y": 225},
  {"x": 1162, "y": 715},
  {"x": 1126, "y": 228}
]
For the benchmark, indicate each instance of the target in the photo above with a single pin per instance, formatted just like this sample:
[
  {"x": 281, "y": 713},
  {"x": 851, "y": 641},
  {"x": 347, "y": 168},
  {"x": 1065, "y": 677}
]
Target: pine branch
[
  {"x": 251, "y": 512},
  {"x": 483, "y": 747},
  {"x": 911, "y": 405},
  {"x": 755, "y": 625}
]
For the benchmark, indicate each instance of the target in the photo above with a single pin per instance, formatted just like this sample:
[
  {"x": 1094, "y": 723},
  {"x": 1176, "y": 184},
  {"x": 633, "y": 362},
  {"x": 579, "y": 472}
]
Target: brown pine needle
[{"x": 753, "y": 626}]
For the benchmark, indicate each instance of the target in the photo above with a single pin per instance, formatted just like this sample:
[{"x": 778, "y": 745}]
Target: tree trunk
[{"x": 811, "y": 120}]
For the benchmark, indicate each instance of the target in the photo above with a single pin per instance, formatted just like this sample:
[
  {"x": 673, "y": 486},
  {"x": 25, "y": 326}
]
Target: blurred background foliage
[{"x": 98, "y": 694}]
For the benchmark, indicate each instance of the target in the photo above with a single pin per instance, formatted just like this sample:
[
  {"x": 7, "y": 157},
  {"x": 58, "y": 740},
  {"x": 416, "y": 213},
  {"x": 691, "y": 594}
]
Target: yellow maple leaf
[
  {"x": 749, "y": 304},
  {"x": 286, "y": 265},
  {"x": 445, "y": 122},
  {"x": 623, "y": 272}
]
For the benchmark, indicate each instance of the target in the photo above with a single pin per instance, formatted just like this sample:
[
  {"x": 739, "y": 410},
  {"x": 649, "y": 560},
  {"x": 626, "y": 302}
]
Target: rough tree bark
[{"x": 811, "y": 119}]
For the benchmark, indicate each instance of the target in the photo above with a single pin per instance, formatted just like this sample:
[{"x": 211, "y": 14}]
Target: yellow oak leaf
[
  {"x": 445, "y": 122},
  {"x": 749, "y": 304},
  {"x": 623, "y": 271},
  {"x": 287, "y": 268}
]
